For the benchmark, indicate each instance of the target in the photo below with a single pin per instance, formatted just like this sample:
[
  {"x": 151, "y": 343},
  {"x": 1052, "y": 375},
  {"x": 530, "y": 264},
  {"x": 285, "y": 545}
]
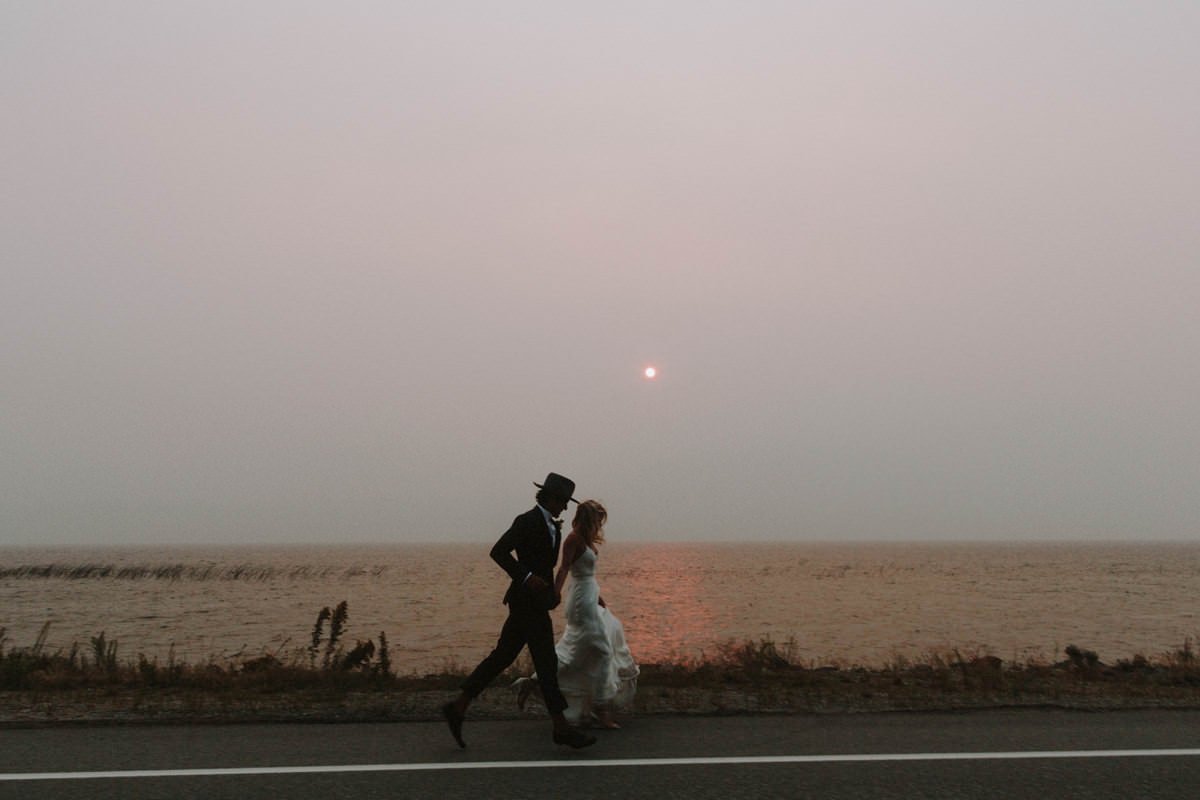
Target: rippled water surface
[{"x": 440, "y": 604}]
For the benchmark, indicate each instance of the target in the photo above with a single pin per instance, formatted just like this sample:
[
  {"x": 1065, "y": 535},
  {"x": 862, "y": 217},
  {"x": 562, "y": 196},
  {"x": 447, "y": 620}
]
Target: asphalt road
[{"x": 998, "y": 754}]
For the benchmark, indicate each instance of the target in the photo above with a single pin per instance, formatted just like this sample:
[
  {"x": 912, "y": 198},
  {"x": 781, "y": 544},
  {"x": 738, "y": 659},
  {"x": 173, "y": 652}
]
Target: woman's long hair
[{"x": 589, "y": 521}]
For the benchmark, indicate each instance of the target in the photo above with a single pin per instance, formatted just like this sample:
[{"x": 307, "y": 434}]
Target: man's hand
[{"x": 535, "y": 584}]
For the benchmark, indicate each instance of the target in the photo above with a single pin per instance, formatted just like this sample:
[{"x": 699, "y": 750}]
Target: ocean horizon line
[{"x": 741, "y": 542}]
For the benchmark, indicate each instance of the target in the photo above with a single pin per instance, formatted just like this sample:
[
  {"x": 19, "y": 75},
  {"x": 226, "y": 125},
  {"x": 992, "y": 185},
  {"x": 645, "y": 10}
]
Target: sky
[{"x": 311, "y": 272}]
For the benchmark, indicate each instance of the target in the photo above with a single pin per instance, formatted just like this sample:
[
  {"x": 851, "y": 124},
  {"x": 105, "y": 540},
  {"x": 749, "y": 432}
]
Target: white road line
[{"x": 577, "y": 763}]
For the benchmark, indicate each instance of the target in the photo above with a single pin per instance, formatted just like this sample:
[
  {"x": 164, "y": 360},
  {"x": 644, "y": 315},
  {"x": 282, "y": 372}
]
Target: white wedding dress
[{"x": 595, "y": 667}]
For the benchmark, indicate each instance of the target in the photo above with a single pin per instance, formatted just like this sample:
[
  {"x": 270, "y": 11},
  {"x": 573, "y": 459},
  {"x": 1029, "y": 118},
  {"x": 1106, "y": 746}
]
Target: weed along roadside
[{"x": 335, "y": 678}]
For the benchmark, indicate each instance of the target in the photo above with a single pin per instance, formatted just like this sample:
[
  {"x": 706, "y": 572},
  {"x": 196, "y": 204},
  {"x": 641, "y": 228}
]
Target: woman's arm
[{"x": 570, "y": 552}]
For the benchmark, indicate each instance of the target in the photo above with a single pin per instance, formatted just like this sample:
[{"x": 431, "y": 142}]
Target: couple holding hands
[{"x": 591, "y": 664}]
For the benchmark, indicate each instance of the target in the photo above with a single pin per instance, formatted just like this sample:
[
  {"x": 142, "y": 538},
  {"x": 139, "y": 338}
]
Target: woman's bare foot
[
  {"x": 606, "y": 720},
  {"x": 524, "y": 690}
]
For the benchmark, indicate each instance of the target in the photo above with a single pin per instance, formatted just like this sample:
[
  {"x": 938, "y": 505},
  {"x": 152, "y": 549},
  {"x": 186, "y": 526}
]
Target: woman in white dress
[{"x": 596, "y": 672}]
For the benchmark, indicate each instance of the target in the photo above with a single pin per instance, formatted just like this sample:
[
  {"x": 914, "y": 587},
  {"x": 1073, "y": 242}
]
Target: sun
[{"x": 650, "y": 372}]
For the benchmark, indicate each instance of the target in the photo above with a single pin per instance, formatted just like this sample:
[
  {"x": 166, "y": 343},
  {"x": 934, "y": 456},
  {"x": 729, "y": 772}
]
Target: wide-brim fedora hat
[{"x": 559, "y": 486}]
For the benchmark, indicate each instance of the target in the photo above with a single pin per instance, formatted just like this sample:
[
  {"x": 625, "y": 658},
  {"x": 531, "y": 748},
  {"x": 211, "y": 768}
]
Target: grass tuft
[{"x": 364, "y": 665}]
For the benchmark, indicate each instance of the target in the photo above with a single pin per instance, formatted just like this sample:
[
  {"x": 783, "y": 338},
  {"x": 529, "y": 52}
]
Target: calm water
[{"x": 439, "y": 604}]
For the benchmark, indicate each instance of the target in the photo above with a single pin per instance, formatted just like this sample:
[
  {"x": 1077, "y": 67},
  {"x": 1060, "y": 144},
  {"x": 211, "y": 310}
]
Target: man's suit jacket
[{"x": 529, "y": 536}]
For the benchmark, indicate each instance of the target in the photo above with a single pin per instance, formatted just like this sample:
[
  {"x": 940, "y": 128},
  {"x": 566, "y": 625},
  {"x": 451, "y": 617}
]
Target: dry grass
[
  {"x": 327, "y": 662},
  {"x": 332, "y": 679}
]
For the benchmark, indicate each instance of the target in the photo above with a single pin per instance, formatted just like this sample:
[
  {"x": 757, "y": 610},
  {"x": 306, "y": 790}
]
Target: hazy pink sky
[{"x": 326, "y": 272}]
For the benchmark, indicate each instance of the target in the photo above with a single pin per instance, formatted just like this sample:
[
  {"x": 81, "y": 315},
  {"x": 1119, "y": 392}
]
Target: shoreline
[
  {"x": 707, "y": 689},
  {"x": 329, "y": 681}
]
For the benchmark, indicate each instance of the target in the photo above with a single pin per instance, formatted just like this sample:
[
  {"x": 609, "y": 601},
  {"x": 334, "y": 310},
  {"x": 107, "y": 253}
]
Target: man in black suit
[{"x": 535, "y": 536}]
